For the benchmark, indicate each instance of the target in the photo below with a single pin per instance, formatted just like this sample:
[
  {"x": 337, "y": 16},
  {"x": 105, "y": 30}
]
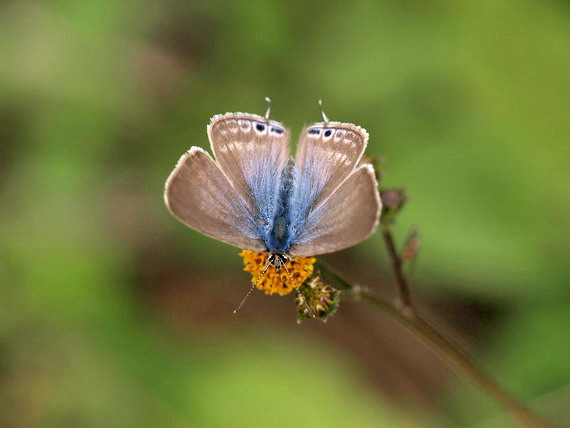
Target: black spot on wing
[{"x": 276, "y": 130}]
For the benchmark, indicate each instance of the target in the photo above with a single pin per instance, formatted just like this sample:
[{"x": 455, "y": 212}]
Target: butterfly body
[
  {"x": 255, "y": 196},
  {"x": 280, "y": 236}
]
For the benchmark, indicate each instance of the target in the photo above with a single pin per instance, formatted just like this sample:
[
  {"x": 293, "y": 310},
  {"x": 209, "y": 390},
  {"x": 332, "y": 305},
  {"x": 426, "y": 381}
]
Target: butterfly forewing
[
  {"x": 252, "y": 152},
  {"x": 347, "y": 217},
  {"x": 198, "y": 194},
  {"x": 327, "y": 154}
]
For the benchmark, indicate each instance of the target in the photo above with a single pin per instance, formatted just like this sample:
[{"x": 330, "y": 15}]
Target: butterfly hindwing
[
  {"x": 252, "y": 152},
  {"x": 198, "y": 194},
  {"x": 349, "y": 215}
]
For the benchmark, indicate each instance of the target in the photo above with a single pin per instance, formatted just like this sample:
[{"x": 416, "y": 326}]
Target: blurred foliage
[{"x": 467, "y": 100}]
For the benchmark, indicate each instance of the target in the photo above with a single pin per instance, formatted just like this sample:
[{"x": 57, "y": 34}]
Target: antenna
[
  {"x": 268, "y": 112},
  {"x": 253, "y": 286},
  {"x": 244, "y": 299},
  {"x": 325, "y": 118},
  {"x": 311, "y": 313}
]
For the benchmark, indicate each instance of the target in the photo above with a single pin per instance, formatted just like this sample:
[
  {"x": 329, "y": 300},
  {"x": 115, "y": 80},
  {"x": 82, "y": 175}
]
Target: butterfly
[{"x": 255, "y": 196}]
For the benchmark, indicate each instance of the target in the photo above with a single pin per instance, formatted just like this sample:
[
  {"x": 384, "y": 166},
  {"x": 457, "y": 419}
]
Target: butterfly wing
[
  {"x": 349, "y": 215},
  {"x": 334, "y": 205},
  {"x": 200, "y": 195},
  {"x": 327, "y": 154},
  {"x": 252, "y": 152}
]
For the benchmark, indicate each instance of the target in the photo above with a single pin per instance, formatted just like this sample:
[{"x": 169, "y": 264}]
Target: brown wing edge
[
  {"x": 251, "y": 243},
  {"x": 375, "y": 194}
]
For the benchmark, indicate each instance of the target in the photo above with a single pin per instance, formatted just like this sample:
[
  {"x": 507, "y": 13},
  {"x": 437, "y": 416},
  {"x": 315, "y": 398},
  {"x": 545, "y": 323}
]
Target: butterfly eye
[
  {"x": 260, "y": 127},
  {"x": 315, "y": 131},
  {"x": 327, "y": 134},
  {"x": 276, "y": 131}
]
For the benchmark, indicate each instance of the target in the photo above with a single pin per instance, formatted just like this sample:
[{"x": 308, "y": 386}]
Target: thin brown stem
[
  {"x": 401, "y": 280},
  {"x": 447, "y": 349},
  {"x": 459, "y": 360}
]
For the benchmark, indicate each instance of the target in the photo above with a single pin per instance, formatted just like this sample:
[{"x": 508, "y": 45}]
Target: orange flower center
[{"x": 282, "y": 282}]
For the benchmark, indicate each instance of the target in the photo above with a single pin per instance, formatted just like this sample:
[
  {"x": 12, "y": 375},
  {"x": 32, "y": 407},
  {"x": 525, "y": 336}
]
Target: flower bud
[
  {"x": 316, "y": 299},
  {"x": 392, "y": 202},
  {"x": 410, "y": 251}
]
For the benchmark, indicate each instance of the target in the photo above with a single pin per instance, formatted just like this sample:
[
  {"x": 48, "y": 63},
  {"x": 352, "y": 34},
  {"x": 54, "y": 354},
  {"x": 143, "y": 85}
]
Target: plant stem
[
  {"x": 449, "y": 351},
  {"x": 402, "y": 281}
]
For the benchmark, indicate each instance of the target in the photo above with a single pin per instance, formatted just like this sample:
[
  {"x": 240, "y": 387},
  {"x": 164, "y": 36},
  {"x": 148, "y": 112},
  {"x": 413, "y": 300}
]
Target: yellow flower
[{"x": 283, "y": 282}]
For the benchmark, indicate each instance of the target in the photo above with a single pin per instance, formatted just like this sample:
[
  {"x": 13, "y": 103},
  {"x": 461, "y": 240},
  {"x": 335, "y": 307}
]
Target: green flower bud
[{"x": 318, "y": 297}]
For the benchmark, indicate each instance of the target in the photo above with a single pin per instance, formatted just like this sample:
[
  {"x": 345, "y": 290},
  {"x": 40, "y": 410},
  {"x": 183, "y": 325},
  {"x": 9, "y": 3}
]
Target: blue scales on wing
[
  {"x": 252, "y": 152},
  {"x": 334, "y": 204}
]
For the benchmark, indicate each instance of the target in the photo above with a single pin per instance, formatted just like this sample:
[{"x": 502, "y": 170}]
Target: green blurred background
[{"x": 114, "y": 314}]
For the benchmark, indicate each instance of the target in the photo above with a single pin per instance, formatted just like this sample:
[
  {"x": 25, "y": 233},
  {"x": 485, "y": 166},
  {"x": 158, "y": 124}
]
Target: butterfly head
[{"x": 278, "y": 259}]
